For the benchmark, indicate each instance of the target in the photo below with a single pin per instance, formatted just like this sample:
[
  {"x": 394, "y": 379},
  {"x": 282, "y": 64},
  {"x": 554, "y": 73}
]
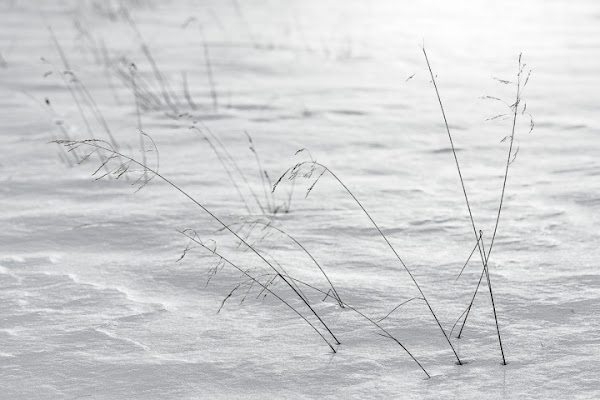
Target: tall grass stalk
[
  {"x": 225, "y": 167},
  {"x": 165, "y": 90},
  {"x": 67, "y": 67},
  {"x": 104, "y": 146},
  {"x": 293, "y": 171},
  {"x": 209, "y": 73},
  {"x": 484, "y": 259},
  {"x": 85, "y": 94},
  {"x": 232, "y": 168},
  {"x": 470, "y": 255},
  {"x": 483, "y": 255},
  {"x": 80, "y": 95},
  {"x": 266, "y": 287},
  {"x": 138, "y": 114},
  {"x": 235, "y": 165},
  {"x": 186, "y": 91},
  {"x": 509, "y": 160},
  {"x": 146, "y": 97},
  {"x": 263, "y": 174}
]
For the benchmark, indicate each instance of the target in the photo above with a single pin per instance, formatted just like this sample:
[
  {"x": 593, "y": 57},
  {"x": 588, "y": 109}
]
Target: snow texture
[{"x": 94, "y": 302}]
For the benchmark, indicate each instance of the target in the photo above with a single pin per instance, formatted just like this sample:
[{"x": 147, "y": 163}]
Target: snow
[{"x": 94, "y": 302}]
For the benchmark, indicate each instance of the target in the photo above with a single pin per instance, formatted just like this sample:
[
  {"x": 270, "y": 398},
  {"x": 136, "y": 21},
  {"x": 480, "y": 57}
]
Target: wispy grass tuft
[
  {"x": 307, "y": 169},
  {"x": 510, "y": 159},
  {"x": 125, "y": 164},
  {"x": 511, "y": 156}
]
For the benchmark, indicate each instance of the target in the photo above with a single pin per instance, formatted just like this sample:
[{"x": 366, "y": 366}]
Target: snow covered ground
[{"x": 93, "y": 300}]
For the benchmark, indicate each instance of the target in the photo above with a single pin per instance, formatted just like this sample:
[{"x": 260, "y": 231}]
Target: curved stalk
[
  {"x": 98, "y": 145},
  {"x": 325, "y": 169}
]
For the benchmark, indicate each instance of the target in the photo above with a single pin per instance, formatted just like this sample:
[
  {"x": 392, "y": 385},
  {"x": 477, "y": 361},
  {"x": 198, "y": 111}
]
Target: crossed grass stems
[
  {"x": 114, "y": 163},
  {"x": 146, "y": 98}
]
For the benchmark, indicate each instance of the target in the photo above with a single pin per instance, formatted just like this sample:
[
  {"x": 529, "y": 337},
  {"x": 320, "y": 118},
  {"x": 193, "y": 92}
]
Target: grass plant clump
[
  {"x": 515, "y": 109},
  {"x": 306, "y": 169},
  {"x": 119, "y": 164},
  {"x": 153, "y": 91}
]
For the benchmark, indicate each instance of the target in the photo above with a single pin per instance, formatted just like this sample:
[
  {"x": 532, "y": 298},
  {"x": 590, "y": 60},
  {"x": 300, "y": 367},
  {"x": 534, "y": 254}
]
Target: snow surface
[{"x": 94, "y": 304}]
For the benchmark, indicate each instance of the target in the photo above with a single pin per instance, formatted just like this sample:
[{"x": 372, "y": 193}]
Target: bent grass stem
[
  {"x": 270, "y": 226},
  {"x": 98, "y": 144},
  {"x": 484, "y": 258},
  {"x": 314, "y": 163},
  {"x": 387, "y": 334},
  {"x": 264, "y": 286}
]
